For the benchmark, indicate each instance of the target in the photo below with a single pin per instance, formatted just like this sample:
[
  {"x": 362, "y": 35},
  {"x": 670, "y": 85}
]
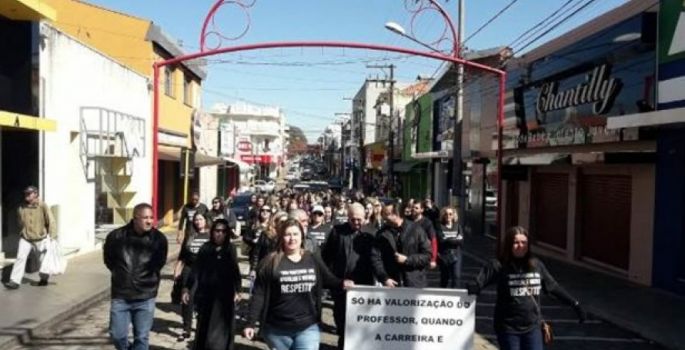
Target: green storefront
[{"x": 414, "y": 174}]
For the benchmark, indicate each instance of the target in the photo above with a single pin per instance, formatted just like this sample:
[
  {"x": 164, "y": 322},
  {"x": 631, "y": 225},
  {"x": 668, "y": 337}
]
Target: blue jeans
[
  {"x": 124, "y": 312},
  {"x": 278, "y": 339},
  {"x": 524, "y": 341}
]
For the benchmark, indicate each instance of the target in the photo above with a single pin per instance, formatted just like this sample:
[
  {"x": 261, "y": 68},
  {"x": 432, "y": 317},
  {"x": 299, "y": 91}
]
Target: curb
[{"x": 24, "y": 336}]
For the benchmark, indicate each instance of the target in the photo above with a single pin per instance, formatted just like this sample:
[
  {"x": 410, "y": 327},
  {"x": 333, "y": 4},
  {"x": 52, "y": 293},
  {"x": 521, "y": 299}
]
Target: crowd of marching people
[{"x": 302, "y": 247}]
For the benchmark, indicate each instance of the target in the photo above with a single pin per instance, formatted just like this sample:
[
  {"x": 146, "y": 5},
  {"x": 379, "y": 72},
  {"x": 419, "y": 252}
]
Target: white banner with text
[{"x": 409, "y": 319}]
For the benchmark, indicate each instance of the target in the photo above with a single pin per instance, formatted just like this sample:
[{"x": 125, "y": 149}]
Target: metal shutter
[
  {"x": 549, "y": 216},
  {"x": 605, "y": 205}
]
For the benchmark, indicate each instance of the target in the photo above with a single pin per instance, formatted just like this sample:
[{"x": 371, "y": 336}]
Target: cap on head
[
  {"x": 31, "y": 189},
  {"x": 317, "y": 209}
]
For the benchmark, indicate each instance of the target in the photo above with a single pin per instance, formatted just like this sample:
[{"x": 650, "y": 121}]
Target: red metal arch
[{"x": 321, "y": 44}]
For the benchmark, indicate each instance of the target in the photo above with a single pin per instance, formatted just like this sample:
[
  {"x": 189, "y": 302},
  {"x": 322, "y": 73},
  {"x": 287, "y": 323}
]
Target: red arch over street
[{"x": 321, "y": 44}]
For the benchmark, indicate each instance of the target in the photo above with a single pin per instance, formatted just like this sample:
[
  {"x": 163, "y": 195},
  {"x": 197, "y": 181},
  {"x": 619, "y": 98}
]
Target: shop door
[
  {"x": 604, "y": 208},
  {"x": 549, "y": 214}
]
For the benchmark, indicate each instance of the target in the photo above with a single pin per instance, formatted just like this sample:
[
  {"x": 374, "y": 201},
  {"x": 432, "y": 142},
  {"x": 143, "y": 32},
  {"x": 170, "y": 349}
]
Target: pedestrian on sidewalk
[
  {"x": 375, "y": 220},
  {"x": 520, "y": 277},
  {"x": 216, "y": 284},
  {"x": 427, "y": 225},
  {"x": 185, "y": 223},
  {"x": 287, "y": 295},
  {"x": 135, "y": 254},
  {"x": 36, "y": 227},
  {"x": 183, "y": 269},
  {"x": 347, "y": 253},
  {"x": 402, "y": 252},
  {"x": 450, "y": 240}
]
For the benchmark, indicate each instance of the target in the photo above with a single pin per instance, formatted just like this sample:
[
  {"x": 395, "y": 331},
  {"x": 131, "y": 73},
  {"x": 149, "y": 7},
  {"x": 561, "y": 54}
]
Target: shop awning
[
  {"x": 404, "y": 167},
  {"x": 27, "y": 10},
  {"x": 242, "y": 165},
  {"x": 538, "y": 159},
  {"x": 174, "y": 154},
  {"x": 169, "y": 153},
  {"x": 21, "y": 121}
]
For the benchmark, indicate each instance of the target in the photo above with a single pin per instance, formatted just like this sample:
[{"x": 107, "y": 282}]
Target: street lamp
[{"x": 399, "y": 30}]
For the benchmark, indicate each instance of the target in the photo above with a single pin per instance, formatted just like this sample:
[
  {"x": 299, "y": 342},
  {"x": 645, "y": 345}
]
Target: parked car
[
  {"x": 490, "y": 199},
  {"x": 335, "y": 184},
  {"x": 264, "y": 186}
]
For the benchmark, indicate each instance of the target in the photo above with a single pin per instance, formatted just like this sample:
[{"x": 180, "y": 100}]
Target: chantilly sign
[{"x": 599, "y": 88}]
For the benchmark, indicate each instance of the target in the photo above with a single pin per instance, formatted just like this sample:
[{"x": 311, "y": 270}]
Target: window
[
  {"x": 187, "y": 91},
  {"x": 169, "y": 81}
]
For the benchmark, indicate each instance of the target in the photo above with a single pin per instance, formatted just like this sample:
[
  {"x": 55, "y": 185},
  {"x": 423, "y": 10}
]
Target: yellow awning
[
  {"x": 21, "y": 121},
  {"x": 27, "y": 10}
]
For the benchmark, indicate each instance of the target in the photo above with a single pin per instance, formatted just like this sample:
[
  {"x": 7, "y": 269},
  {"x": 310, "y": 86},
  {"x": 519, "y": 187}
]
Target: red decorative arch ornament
[{"x": 209, "y": 29}]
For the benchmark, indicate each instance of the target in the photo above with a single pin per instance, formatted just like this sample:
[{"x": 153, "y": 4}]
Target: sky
[{"x": 312, "y": 85}]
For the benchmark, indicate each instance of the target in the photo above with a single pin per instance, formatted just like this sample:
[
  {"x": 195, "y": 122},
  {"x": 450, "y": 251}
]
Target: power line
[
  {"x": 490, "y": 20},
  {"x": 554, "y": 27},
  {"x": 542, "y": 22}
]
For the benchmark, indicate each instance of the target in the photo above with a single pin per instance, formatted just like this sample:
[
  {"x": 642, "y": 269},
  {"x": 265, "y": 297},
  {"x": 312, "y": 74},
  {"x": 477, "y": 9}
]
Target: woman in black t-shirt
[
  {"x": 287, "y": 293},
  {"x": 520, "y": 278},
  {"x": 186, "y": 259},
  {"x": 450, "y": 239}
]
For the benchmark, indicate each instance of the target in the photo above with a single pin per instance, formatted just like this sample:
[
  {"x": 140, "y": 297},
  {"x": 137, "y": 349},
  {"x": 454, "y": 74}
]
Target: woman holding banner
[
  {"x": 287, "y": 293},
  {"x": 520, "y": 278}
]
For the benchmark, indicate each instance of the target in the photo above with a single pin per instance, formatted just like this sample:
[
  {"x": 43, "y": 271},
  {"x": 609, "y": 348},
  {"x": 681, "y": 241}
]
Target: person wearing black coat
[
  {"x": 402, "y": 251},
  {"x": 216, "y": 284},
  {"x": 450, "y": 240},
  {"x": 135, "y": 254},
  {"x": 347, "y": 253}
]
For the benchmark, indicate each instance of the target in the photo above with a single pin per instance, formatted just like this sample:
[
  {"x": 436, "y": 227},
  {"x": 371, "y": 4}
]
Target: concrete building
[
  {"x": 253, "y": 135},
  {"x": 96, "y": 165},
  {"x": 363, "y": 124},
  {"x": 23, "y": 122},
  {"x": 137, "y": 43}
]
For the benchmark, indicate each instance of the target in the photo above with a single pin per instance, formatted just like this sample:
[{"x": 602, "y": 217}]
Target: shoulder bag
[{"x": 545, "y": 327}]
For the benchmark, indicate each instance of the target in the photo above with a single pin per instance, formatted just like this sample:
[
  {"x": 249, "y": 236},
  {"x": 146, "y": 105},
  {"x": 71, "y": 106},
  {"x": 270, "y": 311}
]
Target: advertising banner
[{"x": 409, "y": 319}]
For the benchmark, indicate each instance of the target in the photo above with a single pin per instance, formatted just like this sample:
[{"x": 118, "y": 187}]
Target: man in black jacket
[
  {"x": 185, "y": 223},
  {"x": 402, "y": 251},
  {"x": 135, "y": 254},
  {"x": 347, "y": 253}
]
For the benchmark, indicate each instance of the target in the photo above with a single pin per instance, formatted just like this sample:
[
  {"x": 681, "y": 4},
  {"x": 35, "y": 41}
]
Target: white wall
[{"x": 77, "y": 76}]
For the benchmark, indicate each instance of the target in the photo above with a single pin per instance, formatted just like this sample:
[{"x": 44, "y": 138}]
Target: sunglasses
[{"x": 219, "y": 230}]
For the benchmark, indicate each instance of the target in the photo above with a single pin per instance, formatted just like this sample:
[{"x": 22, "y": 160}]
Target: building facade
[
  {"x": 253, "y": 135},
  {"x": 567, "y": 177}
]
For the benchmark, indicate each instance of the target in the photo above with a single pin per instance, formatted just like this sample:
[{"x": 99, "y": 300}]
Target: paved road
[
  {"x": 569, "y": 334},
  {"x": 88, "y": 331}
]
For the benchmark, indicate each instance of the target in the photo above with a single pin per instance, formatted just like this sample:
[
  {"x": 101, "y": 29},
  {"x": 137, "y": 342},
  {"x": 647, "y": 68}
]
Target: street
[{"x": 88, "y": 330}]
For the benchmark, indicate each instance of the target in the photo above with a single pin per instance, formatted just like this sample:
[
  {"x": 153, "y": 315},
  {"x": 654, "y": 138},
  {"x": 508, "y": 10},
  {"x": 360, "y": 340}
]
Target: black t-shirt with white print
[
  {"x": 291, "y": 301},
  {"x": 191, "y": 246},
  {"x": 519, "y": 287},
  {"x": 319, "y": 234}
]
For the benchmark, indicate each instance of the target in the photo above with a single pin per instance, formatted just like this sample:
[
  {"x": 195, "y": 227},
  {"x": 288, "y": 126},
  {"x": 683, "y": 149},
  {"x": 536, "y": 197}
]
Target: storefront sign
[
  {"x": 599, "y": 87},
  {"x": 256, "y": 159},
  {"x": 409, "y": 318}
]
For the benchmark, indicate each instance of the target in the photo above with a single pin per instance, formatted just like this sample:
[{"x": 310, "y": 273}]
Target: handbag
[{"x": 545, "y": 327}]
